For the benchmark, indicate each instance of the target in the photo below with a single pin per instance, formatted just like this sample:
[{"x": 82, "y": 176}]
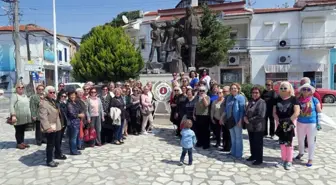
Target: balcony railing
[{"x": 240, "y": 44}]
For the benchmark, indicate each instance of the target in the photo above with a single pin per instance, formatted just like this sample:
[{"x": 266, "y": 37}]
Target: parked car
[
  {"x": 327, "y": 95},
  {"x": 73, "y": 86}
]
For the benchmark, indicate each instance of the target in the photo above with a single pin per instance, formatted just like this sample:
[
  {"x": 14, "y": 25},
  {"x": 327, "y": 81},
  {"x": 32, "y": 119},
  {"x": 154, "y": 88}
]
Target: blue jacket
[
  {"x": 188, "y": 139},
  {"x": 238, "y": 103}
]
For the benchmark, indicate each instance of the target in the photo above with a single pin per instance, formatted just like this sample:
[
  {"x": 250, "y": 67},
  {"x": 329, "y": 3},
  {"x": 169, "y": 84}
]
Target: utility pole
[{"x": 16, "y": 37}]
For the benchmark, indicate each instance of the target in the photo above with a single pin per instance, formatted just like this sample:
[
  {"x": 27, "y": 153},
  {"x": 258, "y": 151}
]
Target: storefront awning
[{"x": 294, "y": 68}]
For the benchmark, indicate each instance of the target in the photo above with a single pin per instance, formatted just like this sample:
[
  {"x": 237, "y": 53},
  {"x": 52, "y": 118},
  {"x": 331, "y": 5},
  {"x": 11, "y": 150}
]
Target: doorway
[{"x": 315, "y": 78}]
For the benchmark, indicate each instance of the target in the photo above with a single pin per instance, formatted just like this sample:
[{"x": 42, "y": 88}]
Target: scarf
[{"x": 305, "y": 100}]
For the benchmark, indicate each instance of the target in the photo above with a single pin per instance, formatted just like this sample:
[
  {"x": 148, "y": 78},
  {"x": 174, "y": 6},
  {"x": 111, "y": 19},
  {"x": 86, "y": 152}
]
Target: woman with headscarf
[
  {"x": 285, "y": 111},
  {"x": 308, "y": 121}
]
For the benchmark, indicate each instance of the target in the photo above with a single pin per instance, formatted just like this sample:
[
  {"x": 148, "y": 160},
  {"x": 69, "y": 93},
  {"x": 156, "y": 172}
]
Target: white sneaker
[{"x": 144, "y": 133}]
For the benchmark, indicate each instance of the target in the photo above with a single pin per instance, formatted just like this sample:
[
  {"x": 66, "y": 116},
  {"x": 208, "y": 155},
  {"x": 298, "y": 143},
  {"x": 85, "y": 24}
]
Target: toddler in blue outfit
[{"x": 188, "y": 140}]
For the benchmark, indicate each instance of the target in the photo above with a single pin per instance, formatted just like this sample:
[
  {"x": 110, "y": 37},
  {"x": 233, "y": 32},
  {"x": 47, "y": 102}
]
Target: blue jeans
[
  {"x": 184, "y": 152},
  {"x": 74, "y": 140},
  {"x": 237, "y": 141},
  {"x": 118, "y": 135}
]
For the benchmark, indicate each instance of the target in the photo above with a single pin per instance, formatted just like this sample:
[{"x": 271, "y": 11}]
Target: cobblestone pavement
[{"x": 152, "y": 160}]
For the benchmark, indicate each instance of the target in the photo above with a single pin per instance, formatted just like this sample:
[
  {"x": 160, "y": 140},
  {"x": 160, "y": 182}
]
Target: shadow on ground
[{"x": 168, "y": 135}]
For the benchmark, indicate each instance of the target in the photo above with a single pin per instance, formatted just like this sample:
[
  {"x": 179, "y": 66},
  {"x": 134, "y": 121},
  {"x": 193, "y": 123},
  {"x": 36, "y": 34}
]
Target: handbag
[
  {"x": 81, "y": 132},
  {"x": 90, "y": 134},
  {"x": 9, "y": 120}
]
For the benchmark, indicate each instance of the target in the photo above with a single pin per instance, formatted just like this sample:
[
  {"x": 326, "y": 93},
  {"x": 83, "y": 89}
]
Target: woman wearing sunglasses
[
  {"x": 285, "y": 111},
  {"x": 20, "y": 115},
  {"x": 308, "y": 121},
  {"x": 62, "y": 105},
  {"x": 202, "y": 118},
  {"x": 95, "y": 114}
]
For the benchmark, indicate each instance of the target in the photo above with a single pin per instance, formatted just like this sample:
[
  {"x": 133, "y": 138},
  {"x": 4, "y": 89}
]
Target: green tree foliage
[
  {"x": 214, "y": 41},
  {"x": 246, "y": 89},
  {"x": 107, "y": 54}
]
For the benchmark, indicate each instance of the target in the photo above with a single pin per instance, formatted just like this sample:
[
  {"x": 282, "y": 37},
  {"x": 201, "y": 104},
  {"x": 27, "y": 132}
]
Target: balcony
[
  {"x": 325, "y": 40},
  {"x": 241, "y": 45}
]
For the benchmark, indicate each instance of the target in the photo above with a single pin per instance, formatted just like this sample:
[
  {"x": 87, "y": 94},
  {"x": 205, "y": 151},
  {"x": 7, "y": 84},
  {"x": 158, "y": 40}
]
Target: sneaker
[
  {"x": 144, "y": 133},
  {"x": 309, "y": 163},
  {"x": 180, "y": 164},
  {"x": 288, "y": 166}
]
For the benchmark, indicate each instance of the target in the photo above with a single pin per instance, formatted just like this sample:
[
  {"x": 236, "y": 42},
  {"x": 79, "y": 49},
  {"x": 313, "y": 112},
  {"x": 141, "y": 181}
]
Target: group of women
[
  {"x": 226, "y": 112},
  {"x": 108, "y": 118}
]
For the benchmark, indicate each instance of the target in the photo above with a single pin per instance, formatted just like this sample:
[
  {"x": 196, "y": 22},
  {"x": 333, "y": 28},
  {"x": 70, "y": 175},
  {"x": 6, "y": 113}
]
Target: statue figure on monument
[
  {"x": 192, "y": 27},
  {"x": 168, "y": 39},
  {"x": 156, "y": 42}
]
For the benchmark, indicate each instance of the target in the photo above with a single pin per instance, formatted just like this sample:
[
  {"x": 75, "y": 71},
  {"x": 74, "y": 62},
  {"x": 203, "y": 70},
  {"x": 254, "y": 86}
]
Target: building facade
[
  {"x": 291, "y": 43},
  {"x": 41, "y": 52},
  {"x": 233, "y": 14}
]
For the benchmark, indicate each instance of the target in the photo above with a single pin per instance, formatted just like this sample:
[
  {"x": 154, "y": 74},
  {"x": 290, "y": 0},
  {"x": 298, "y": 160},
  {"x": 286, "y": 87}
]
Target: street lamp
[{"x": 55, "y": 45}]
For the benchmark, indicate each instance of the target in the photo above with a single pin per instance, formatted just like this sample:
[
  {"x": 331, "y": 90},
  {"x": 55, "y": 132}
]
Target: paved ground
[{"x": 153, "y": 160}]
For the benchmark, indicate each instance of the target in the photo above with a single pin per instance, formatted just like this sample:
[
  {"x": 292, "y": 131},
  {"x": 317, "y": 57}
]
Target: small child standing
[{"x": 188, "y": 140}]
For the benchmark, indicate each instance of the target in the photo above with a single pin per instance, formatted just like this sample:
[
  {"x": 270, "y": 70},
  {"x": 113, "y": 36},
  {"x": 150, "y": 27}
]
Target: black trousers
[
  {"x": 62, "y": 135},
  {"x": 135, "y": 125},
  {"x": 256, "y": 145},
  {"x": 106, "y": 135},
  {"x": 39, "y": 136},
  {"x": 269, "y": 115},
  {"x": 226, "y": 139},
  {"x": 20, "y": 133},
  {"x": 53, "y": 145},
  {"x": 217, "y": 130},
  {"x": 202, "y": 127}
]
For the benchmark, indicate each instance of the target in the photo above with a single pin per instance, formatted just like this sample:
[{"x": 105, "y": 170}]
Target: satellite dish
[{"x": 125, "y": 19}]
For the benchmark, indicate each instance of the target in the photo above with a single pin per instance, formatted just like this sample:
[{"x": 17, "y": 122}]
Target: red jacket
[{"x": 317, "y": 96}]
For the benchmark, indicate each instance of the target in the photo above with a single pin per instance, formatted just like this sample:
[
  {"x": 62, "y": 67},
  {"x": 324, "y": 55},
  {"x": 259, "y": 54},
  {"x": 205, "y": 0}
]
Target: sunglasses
[
  {"x": 201, "y": 91},
  {"x": 283, "y": 88},
  {"x": 63, "y": 96},
  {"x": 105, "y": 89},
  {"x": 20, "y": 87},
  {"x": 268, "y": 84},
  {"x": 306, "y": 89},
  {"x": 176, "y": 90},
  {"x": 93, "y": 92},
  {"x": 52, "y": 92}
]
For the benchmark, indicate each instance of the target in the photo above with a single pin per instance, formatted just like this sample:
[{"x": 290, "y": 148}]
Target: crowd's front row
[
  {"x": 231, "y": 114},
  {"x": 88, "y": 119}
]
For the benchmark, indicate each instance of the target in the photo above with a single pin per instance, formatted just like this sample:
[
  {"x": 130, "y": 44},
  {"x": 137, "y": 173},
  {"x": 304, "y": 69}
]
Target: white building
[
  {"x": 41, "y": 52},
  {"x": 291, "y": 43}
]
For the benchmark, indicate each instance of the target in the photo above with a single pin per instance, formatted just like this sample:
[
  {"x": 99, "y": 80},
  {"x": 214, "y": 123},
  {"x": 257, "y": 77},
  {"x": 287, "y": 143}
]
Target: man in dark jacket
[{"x": 269, "y": 95}]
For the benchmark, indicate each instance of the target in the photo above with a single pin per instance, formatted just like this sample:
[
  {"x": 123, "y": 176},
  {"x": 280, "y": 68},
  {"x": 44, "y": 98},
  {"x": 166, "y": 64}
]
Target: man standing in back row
[{"x": 269, "y": 95}]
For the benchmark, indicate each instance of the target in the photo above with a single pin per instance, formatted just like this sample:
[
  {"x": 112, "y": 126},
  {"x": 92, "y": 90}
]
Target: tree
[
  {"x": 214, "y": 41},
  {"x": 106, "y": 55},
  {"x": 117, "y": 21}
]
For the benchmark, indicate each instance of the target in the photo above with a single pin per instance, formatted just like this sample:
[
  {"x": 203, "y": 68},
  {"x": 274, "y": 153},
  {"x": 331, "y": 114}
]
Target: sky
[{"x": 77, "y": 17}]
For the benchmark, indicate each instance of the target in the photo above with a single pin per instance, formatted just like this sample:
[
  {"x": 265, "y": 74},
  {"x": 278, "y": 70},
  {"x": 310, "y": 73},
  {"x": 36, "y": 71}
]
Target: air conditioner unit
[
  {"x": 284, "y": 44},
  {"x": 284, "y": 60},
  {"x": 233, "y": 60}
]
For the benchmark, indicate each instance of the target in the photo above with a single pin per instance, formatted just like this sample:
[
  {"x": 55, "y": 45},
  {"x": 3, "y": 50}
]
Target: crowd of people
[
  {"x": 199, "y": 107},
  {"x": 225, "y": 111},
  {"x": 87, "y": 118}
]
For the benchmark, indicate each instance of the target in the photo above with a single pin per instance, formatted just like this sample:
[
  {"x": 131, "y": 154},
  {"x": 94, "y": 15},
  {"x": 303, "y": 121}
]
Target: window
[
  {"x": 277, "y": 76},
  {"x": 65, "y": 54},
  {"x": 311, "y": 29},
  {"x": 59, "y": 55},
  {"x": 318, "y": 79},
  {"x": 233, "y": 35},
  {"x": 142, "y": 43},
  {"x": 267, "y": 31},
  {"x": 283, "y": 31},
  {"x": 229, "y": 76}
]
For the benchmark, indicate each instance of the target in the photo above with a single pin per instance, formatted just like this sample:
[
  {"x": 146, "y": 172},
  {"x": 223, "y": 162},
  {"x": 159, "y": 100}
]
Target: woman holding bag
[{"x": 20, "y": 115}]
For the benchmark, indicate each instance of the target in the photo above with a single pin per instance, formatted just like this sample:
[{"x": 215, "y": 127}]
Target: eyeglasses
[
  {"x": 306, "y": 89},
  {"x": 63, "y": 96},
  {"x": 201, "y": 91},
  {"x": 283, "y": 88},
  {"x": 53, "y": 92},
  {"x": 176, "y": 90},
  {"x": 93, "y": 92},
  {"x": 105, "y": 89},
  {"x": 20, "y": 87}
]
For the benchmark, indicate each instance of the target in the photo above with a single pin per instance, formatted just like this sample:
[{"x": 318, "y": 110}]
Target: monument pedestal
[{"x": 177, "y": 66}]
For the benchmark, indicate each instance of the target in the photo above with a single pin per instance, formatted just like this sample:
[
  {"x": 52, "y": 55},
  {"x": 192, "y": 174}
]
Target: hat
[
  {"x": 202, "y": 88},
  {"x": 307, "y": 85},
  {"x": 189, "y": 87}
]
